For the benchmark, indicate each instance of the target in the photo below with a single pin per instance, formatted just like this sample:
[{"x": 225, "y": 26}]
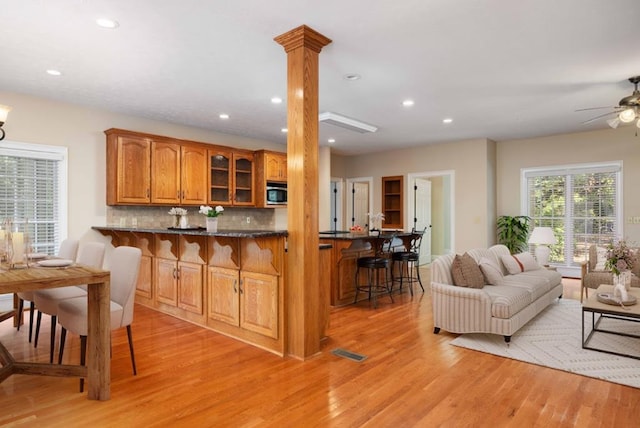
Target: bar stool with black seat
[
  {"x": 408, "y": 262},
  {"x": 376, "y": 265}
]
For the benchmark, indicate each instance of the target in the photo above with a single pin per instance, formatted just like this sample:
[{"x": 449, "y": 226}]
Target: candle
[{"x": 17, "y": 239}]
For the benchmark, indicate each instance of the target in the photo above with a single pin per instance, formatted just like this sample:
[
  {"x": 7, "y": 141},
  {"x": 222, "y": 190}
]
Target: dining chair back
[
  {"x": 68, "y": 250},
  {"x": 47, "y": 301},
  {"x": 72, "y": 313}
]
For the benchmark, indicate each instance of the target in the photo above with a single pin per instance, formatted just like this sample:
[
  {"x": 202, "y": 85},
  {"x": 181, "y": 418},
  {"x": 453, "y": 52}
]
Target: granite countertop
[
  {"x": 233, "y": 233},
  {"x": 347, "y": 236}
]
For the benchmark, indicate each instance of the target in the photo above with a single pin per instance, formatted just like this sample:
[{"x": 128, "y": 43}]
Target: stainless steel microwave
[{"x": 276, "y": 194}]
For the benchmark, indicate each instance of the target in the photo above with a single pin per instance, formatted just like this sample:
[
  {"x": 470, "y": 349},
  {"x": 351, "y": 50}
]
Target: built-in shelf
[{"x": 393, "y": 202}]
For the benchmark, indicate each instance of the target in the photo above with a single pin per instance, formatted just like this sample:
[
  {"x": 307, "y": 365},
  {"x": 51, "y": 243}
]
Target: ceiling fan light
[
  {"x": 627, "y": 115},
  {"x": 613, "y": 122},
  {"x": 638, "y": 123}
]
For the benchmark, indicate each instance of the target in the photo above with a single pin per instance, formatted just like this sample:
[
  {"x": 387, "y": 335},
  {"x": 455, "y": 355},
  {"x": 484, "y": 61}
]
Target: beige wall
[
  {"x": 40, "y": 121},
  {"x": 596, "y": 146},
  {"x": 474, "y": 207}
]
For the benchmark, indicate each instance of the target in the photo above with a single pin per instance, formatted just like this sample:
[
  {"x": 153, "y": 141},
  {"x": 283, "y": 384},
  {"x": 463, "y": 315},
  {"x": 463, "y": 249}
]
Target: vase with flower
[
  {"x": 620, "y": 260},
  {"x": 180, "y": 217},
  {"x": 212, "y": 216}
]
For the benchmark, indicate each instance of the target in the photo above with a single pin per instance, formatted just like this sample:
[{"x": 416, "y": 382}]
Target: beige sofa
[
  {"x": 499, "y": 309},
  {"x": 593, "y": 275}
]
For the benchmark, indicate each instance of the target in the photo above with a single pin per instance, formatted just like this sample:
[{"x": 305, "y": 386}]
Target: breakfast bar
[{"x": 347, "y": 247}]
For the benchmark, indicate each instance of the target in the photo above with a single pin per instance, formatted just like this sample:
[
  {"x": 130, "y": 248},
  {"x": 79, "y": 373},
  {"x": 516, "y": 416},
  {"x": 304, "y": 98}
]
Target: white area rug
[{"x": 554, "y": 339}]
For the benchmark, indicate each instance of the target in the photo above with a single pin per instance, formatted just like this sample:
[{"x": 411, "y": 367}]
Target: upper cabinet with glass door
[{"x": 231, "y": 177}]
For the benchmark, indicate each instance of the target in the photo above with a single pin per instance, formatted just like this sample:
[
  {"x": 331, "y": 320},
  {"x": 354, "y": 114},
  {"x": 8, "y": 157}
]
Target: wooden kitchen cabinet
[
  {"x": 193, "y": 179},
  {"x": 271, "y": 167},
  {"x": 144, "y": 169},
  {"x": 165, "y": 173},
  {"x": 259, "y": 303},
  {"x": 275, "y": 166},
  {"x": 179, "y": 283},
  {"x": 128, "y": 169},
  {"x": 248, "y": 300},
  {"x": 224, "y": 301},
  {"x": 231, "y": 177}
]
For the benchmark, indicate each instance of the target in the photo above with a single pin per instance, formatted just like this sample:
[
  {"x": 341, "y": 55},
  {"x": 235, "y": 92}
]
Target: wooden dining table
[{"x": 98, "y": 369}]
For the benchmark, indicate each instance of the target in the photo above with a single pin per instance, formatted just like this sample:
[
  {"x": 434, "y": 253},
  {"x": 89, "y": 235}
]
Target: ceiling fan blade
[
  {"x": 594, "y": 108},
  {"x": 599, "y": 117}
]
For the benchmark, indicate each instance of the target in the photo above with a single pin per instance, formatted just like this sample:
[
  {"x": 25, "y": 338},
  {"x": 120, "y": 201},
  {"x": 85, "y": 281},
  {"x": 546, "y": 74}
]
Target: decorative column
[{"x": 302, "y": 45}]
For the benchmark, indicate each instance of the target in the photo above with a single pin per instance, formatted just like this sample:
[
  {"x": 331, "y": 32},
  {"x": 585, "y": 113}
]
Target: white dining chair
[
  {"x": 68, "y": 250},
  {"x": 90, "y": 254},
  {"x": 72, "y": 313}
]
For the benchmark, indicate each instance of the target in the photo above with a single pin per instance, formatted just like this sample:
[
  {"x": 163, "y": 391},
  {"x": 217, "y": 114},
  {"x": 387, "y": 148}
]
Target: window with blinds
[
  {"x": 581, "y": 203},
  {"x": 31, "y": 192}
]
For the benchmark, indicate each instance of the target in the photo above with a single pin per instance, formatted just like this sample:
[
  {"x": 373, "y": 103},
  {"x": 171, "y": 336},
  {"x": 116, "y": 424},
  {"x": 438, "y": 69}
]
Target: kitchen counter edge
[{"x": 198, "y": 232}]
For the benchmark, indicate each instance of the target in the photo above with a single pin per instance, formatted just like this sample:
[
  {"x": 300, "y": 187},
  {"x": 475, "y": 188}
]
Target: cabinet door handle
[
  {"x": 241, "y": 290},
  {"x": 175, "y": 273},
  {"x": 178, "y": 272},
  {"x": 235, "y": 281},
  {"x": 148, "y": 193}
]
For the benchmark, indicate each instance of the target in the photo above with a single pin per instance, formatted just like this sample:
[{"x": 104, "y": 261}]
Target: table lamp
[{"x": 542, "y": 236}]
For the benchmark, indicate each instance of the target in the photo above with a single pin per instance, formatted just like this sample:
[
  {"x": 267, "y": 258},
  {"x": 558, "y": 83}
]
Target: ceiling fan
[{"x": 627, "y": 110}]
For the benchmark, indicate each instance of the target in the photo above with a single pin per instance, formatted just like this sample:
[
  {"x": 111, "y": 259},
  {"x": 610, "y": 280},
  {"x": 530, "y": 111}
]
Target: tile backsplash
[{"x": 158, "y": 217}]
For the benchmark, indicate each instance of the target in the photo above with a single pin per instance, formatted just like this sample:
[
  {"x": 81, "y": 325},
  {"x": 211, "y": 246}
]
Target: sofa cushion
[
  {"x": 516, "y": 263},
  {"x": 535, "y": 285},
  {"x": 466, "y": 272},
  {"x": 491, "y": 271},
  {"x": 506, "y": 301}
]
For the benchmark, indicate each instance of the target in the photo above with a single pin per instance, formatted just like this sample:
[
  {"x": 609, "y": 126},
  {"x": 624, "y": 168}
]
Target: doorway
[
  {"x": 361, "y": 200},
  {"x": 430, "y": 206}
]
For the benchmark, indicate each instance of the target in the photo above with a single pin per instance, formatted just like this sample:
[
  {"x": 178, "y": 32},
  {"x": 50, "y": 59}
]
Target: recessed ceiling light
[
  {"x": 276, "y": 100},
  {"x": 53, "y": 72},
  {"x": 224, "y": 116},
  {"x": 107, "y": 23},
  {"x": 284, "y": 130},
  {"x": 352, "y": 76},
  {"x": 331, "y": 140},
  {"x": 408, "y": 103},
  {"x": 447, "y": 120}
]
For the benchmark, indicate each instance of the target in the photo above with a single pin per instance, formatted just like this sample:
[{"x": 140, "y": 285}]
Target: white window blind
[
  {"x": 31, "y": 193},
  {"x": 581, "y": 203}
]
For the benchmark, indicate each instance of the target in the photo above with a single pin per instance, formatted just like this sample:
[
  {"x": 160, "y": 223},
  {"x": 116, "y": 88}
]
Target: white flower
[
  {"x": 211, "y": 212},
  {"x": 177, "y": 211}
]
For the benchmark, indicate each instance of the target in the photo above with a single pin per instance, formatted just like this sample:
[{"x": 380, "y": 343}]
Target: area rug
[{"x": 554, "y": 339}]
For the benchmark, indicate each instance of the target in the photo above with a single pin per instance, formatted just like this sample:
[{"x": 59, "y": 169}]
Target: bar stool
[
  {"x": 408, "y": 262},
  {"x": 376, "y": 265}
]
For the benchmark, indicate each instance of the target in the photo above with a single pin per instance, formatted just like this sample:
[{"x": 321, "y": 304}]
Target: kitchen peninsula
[
  {"x": 232, "y": 281},
  {"x": 346, "y": 249}
]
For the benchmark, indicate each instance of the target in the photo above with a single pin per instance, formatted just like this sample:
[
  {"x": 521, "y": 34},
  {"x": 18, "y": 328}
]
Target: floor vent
[{"x": 350, "y": 355}]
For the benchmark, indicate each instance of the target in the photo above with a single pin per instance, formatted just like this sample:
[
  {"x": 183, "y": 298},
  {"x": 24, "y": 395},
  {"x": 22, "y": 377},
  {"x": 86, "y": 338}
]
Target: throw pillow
[
  {"x": 601, "y": 258},
  {"x": 516, "y": 263},
  {"x": 465, "y": 272},
  {"x": 490, "y": 270}
]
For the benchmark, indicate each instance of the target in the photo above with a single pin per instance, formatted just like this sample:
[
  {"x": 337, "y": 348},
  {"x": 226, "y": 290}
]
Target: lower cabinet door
[
  {"x": 190, "y": 289},
  {"x": 224, "y": 298},
  {"x": 166, "y": 280},
  {"x": 259, "y": 303}
]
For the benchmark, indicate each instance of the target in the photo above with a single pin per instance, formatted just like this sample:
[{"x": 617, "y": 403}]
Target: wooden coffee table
[{"x": 603, "y": 310}]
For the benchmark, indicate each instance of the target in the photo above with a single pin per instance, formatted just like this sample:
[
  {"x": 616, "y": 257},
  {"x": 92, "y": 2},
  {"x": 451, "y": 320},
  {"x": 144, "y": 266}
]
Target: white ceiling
[{"x": 501, "y": 69}]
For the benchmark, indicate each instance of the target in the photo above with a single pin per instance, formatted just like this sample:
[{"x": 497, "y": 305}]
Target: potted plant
[{"x": 513, "y": 232}]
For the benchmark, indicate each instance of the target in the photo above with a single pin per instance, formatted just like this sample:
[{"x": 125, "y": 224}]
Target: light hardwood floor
[{"x": 190, "y": 376}]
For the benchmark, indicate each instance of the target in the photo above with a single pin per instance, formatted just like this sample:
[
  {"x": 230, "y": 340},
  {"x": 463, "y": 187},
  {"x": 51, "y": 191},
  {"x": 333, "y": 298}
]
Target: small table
[{"x": 627, "y": 313}]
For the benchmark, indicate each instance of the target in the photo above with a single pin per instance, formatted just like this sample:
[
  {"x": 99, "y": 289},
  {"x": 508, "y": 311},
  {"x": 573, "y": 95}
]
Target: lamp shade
[
  {"x": 4, "y": 112},
  {"x": 542, "y": 235}
]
